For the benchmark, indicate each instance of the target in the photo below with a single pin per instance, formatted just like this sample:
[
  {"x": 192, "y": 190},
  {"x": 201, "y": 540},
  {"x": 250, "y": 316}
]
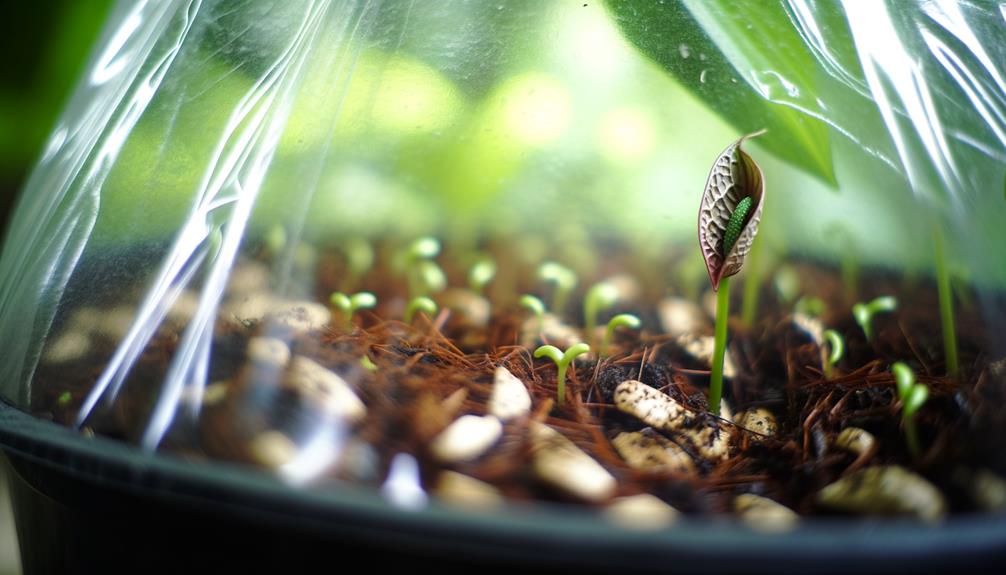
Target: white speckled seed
[
  {"x": 885, "y": 490},
  {"x": 855, "y": 440},
  {"x": 509, "y": 397},
  {"x": 760, "y": 421},
  {"x": 650, "y": 451},
  {"x": 765, "y": 515},
  {"x": 642, "y": 512},
  {"x": 466, "y": 438},
  {"x": 325, "y": 388},
  {"x": 561, "y": 464},
  {"x": 463, "y": 491},
  {"x": 680, "y": 317}
]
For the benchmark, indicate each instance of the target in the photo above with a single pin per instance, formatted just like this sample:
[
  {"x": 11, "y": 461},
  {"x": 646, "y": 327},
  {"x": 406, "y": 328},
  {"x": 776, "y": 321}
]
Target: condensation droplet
[
  {"x": 684, "y": 50},
  {"x": 702, "y": 75}
]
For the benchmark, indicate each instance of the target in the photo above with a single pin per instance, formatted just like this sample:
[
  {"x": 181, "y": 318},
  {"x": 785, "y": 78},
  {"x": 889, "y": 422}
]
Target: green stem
[
  {"x": 911, "y": 437},
  {"x": 720, "y": 346},
  {"x": 946, "y": 304},
  {"x": 561, "y": 377},
  {"x": 752, "y": 283}
]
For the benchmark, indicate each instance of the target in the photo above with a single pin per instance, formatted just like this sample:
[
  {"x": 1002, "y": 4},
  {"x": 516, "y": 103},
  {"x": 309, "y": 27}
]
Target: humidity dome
[{"x": 458, "y": 275}]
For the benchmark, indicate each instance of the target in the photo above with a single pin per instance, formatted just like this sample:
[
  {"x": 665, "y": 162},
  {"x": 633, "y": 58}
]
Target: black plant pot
[{"x": 98, "y": 505}]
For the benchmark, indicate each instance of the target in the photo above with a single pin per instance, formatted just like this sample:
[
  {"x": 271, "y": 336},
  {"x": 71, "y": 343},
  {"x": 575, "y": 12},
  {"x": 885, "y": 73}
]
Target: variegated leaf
[{"x": 734, "y": 176}]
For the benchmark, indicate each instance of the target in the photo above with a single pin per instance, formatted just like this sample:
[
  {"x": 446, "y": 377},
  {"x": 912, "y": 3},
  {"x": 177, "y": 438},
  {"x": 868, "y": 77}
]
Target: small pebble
[
  {"x": 268, "y": 351},
  {"x": 272, "y": 449},
  {"x": 642, "y": 512},
  {"x": 325, "y": 389},
  {"x": 885, "y": 490},
  {"x": 649, "y": 451},
  {"x": 561, "y": 464},
  {"x": 509, "y": 397},
  {"x": 760, "y": 421},
  {"x": 300, "y": 316},
  {"x": 552, "y": 330},
  {"x": 661, "y": 411},
  {"x": 765, "y": 515},
  {"x": 463, "y": 491},
  {"x": 680, "y": 317},
  {"x": 69, "y": 346},
  {"x": 115, "y": 323},
  {"x": 248, "y": 277},
  {"x": 466, "y": 438},
  {"x": 402, "y": 488},
  {"x": 855, "y": 440}
]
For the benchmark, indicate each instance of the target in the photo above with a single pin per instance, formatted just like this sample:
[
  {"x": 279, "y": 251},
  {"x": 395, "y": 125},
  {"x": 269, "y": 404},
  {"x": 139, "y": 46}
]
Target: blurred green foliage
[{"x": 45, "y": 46}]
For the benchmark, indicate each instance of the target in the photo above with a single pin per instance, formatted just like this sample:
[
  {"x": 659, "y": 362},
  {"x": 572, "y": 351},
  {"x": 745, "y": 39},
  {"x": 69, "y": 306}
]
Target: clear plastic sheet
[{"x": 222, "y": 165}]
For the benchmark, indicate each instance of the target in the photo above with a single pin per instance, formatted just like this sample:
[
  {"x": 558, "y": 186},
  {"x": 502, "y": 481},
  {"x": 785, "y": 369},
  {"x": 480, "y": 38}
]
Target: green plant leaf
[
  {"x": 916, "y": 397},
  {"x": 682, "y": 37}
]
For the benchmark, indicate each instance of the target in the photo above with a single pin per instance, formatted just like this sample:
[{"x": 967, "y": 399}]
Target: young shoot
[
  {"x": 864, "y": 312},
  {"x": 599, "y": 297},
  {"x": 367, "y": 364},
  {"x": 359, "y": 259},
  {"x": 421, "y": 303},
  {"x": 349, "y": 305},
  {"x": 536, "y": 307},
  {"x": 729, "y": 214},
  {"x": 424, "y": 275},
  {"x": 810, "y": 306},
  {"x": 562, "y": 361},
  {"x": 564, "y": 280},
  {"x": 621, "y": 320},
  {"x": 912, "y": 396},
  {"x": 481, "y": 274},
  {"x": 837, "y": 346},
  {"x": 946, "y": 299}
]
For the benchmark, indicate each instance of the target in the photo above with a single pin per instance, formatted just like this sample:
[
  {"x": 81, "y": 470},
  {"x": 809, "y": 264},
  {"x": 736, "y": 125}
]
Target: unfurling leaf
[{"x": 730, "y": 211}]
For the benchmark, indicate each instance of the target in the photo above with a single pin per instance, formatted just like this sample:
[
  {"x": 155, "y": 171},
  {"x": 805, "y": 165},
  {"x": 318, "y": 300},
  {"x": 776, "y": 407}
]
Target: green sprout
[
  {"x": 359, "y": 259},
  {"x": 367, "y": 363},
  {"x": 864, "y": 312},
  {"x": 562, "y": 361},
  {"x": 810, "y": 306},
  {"x": 729, "y": 213},
  {"x": 599, "y": 297},
  {"x": 535, "y": 306},
  {"x": 349, "y": 305},
  {"x": 421, "y": 303},
  {"x": 912, "y": 396},
  {"x": 424, "y": 275},
  {"x": 837, "y": 345},
  {"x": 564, "y": 280},
  {"x": 64, "y": 398},
  {"x": 621, "y": 320},
  {"x": 481, "y": 274}
]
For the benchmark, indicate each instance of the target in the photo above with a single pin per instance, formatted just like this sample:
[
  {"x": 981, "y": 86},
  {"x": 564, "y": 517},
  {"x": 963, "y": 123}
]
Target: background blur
[{"x": 47, "y": 43}]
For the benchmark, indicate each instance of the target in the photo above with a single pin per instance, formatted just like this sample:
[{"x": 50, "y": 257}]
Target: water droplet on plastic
[
  {"x": 702, "y": 76},
  {"x": 684, "y": 51}
]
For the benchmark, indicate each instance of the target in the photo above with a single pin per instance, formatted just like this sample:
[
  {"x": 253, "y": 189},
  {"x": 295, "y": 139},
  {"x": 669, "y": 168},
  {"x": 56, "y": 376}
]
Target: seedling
[
  {"x": 837, "y": 346},
  {"x": 864, "y": 312},
  {"x": 564, "y": 280},
  {"x": 421, "y": 303},
  {"x": 481, "y": 274},
  {"x": 359, "y": 259},
  {"x": 535, "y": 306},
  {"x": 912, "y": 396},
  {"x": 349, "y": 305},
  {"x": 621, "y": 320},
  {"x": 729, "y": 214},
  {"x": 562, "y": 361},
  {"x": 599, "y": 297},
  {"x": 64, "y": 398},
  {"x": 424, "y": 275}
]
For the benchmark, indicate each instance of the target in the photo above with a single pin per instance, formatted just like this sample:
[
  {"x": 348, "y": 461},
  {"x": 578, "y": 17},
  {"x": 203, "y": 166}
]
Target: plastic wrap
[{"x": 224, "y": 168}]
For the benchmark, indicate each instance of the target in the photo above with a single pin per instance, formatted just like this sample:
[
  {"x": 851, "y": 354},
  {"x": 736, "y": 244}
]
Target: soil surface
[{"x": 427, "y": 374}]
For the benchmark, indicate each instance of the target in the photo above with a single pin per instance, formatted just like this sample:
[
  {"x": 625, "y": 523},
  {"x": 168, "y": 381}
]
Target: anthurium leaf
[{"x": 689, "y": 39}]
